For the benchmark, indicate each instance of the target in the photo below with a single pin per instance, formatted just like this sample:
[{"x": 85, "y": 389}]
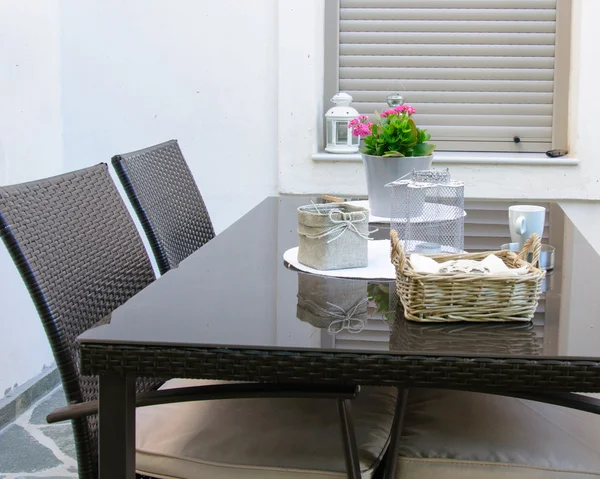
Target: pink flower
[
  {"x": 357, "y": 121},
  {"x": 409, "y": 110},
  {"x": 361, "y": 126},
  {"x": 364, "y": 129},
  {"x": 387, "y": 113}
]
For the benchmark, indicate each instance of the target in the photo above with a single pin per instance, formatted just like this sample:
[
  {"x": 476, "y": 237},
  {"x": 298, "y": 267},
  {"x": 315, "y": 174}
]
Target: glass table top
[{"x": 237, "y": 292}]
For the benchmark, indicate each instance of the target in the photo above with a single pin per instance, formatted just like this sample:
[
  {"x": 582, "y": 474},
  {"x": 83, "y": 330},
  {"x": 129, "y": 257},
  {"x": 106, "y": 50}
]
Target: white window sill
[{"x": 470, "y": 157}]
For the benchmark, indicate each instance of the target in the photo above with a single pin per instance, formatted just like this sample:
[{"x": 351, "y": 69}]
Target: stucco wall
[
  {"x": 30, "y": 147},
  {"x": 139, "y": 72}
]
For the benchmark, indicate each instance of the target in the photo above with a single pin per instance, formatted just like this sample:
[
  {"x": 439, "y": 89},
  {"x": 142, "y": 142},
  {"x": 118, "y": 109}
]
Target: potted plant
[{"x": 393, "y": 148}]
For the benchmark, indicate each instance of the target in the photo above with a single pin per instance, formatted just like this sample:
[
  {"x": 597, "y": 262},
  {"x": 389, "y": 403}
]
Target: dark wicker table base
[{"x": 310, "y": 367}]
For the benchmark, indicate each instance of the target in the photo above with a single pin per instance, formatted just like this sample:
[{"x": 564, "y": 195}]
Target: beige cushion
[
  {"x": 461, "y": 435},
  {"x": 259, "y": 438}
]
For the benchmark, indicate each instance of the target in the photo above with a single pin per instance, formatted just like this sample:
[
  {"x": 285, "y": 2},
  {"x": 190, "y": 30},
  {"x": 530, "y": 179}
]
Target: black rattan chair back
[
  {"x": 80, "y": 256},
  {"x": 167, "y": 201}
]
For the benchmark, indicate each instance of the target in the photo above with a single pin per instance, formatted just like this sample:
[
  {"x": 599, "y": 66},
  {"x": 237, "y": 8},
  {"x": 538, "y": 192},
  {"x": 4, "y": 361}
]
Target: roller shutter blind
[{"x": 479, "y": 72}]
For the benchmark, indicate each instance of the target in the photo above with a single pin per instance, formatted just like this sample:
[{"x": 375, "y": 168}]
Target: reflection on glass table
[{"x": 368, "y": 314}]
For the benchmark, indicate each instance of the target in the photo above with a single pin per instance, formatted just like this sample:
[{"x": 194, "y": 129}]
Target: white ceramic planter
[{"x": 381, "y": 171}]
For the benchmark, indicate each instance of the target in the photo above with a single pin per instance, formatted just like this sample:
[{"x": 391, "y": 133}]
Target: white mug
[{"x": 524, "y": 220}]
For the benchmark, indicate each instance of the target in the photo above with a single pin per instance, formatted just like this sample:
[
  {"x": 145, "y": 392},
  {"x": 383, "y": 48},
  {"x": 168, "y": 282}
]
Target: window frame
[{"x": 562, "y": 68}]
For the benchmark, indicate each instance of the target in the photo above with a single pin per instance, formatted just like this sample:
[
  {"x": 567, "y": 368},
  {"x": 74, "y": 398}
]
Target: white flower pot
[{"x": 381, "y": 171}]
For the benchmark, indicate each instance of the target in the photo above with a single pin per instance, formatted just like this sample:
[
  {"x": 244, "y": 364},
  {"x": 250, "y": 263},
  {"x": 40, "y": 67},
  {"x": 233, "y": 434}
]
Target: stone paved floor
[{"x": 32, "y": 449}]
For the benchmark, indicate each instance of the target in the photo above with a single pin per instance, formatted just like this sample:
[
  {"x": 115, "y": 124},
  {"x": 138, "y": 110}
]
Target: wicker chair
[
  {"x": 80, "y": 256},
  {"x": 71, "y": 237},
  {"x": 167, "y": 201}
]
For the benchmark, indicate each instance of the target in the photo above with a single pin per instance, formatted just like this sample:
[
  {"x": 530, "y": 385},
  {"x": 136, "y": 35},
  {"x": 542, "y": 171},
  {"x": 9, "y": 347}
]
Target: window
[{"x": 484, "y": 75}]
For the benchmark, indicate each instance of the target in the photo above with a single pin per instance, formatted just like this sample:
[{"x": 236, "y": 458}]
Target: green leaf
[
  {"x": 391, "y": 154},
  {"x": 423, "y": 136},
  {"x": 423, "y": 149},
  {"x": 413, "y": 127}
]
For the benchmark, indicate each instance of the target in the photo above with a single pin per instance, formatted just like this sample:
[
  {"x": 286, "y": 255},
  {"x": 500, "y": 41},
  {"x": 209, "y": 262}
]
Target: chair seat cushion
[
  {"x": 259, "y": 438},
  {"x": 462, "y": 435}
]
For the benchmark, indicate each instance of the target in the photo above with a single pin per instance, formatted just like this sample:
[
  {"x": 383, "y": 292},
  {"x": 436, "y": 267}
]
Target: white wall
[
  {"x": 580, "y": 308},
  {"x": 30, "y": 148},
  {"x": 140, "y": 72},
  {"x": 301, "y": 90},
  {"x": 132, "y": 74}
]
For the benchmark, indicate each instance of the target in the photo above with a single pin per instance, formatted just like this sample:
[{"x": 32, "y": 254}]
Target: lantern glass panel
[{"x": 342, "y": 132}]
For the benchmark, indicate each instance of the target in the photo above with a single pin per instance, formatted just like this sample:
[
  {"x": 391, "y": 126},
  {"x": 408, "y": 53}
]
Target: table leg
[
  {"x": 391, "y": 457},
  {"x": 116, "y": 415},
  {"x": 349, "y": 439}
]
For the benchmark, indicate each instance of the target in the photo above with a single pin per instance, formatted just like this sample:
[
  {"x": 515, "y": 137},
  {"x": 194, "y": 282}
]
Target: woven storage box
[
  {"x": 332, "y": 303},
  {"x": 333, "y": 236},
  {"x": 449, "y": 297}
]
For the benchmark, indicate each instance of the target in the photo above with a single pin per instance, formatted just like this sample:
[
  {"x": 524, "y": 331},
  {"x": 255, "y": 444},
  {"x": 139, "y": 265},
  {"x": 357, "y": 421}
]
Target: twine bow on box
[
  {"x": 340, "y": 226},
  {"x": 345, "y": 320}
]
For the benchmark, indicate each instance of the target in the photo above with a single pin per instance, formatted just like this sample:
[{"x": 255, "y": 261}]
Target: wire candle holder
[{"x": 428, "y": 212}]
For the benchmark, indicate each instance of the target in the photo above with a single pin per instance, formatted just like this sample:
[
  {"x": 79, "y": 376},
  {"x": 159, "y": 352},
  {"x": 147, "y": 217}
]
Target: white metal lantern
[{"x": 339, "y": 137}]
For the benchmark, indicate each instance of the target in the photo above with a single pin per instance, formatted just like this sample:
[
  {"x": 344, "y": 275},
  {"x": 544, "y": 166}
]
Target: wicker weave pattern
[
  {"x": 166, "y": 199},
  {"x": 469, "y": 297},
  {"x": 345, "y": 368},
  {"x": 80, "y": 256}
]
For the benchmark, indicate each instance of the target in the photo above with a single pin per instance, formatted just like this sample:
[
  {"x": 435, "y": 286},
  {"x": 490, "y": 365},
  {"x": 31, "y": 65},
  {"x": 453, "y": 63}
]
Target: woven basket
[{"x": 447, "y": 297}]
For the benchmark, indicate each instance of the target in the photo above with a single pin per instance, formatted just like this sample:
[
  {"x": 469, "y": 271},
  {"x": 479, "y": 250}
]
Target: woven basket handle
[
  {"x": 533, "y": 243},
  {"x": 398, "y": 256}
]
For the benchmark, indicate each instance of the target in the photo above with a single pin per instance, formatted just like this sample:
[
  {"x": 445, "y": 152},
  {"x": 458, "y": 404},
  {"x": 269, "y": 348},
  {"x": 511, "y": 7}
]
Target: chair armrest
[{"x": 212, "y": 392}]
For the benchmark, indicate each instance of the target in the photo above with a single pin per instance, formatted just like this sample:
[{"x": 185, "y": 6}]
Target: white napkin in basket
[{"x": 424, "y": 264}]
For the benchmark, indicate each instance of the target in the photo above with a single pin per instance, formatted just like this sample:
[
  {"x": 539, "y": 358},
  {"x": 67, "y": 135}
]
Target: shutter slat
[
  {"x": 517, "y": 14},
  {"x": 498, "y": 145},
  {"x": 449, "y": 38},
  {"x": 491, "y": 230},
  {"x": 494, "y": 209},
  {"x": 445, "y": 85},
  {"x": 441, "y": 4},
  {"x": 461, "y": 26},
  {"x": 465, "y": 108},
  {"x": 416, "y": 97},
  {"x": 445, "y": 62},
  {"x": 524, "y": 74},
  {"x": 365, "y": 335},
  {"x": 458, "y": 133},
  {"x": 356, "y": 344},
  {"x": 447, "y": 50},
  {"x": 483, "y": 120}
]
